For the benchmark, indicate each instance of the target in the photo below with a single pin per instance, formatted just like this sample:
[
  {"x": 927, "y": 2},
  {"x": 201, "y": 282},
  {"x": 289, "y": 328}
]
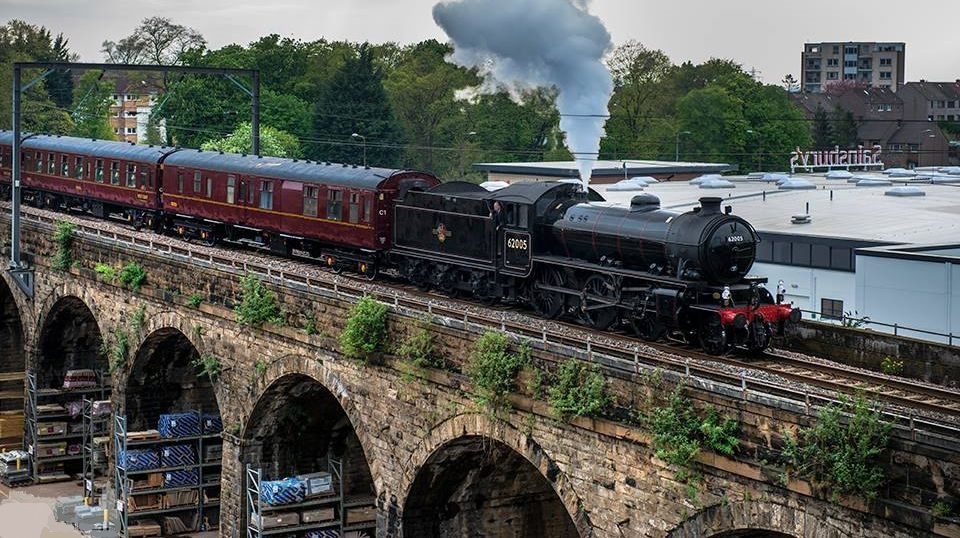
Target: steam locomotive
[
  {"x": 567, "y": 253},
  {"x": 563, "y": 252}
]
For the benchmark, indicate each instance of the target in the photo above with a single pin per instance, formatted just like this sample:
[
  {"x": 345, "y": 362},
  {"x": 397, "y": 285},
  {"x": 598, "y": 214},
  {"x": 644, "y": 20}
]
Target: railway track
[{"x": 940, "y": 407}]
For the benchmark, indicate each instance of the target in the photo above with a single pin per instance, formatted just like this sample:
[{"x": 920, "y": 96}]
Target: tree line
[{"x": 407, "y": 105}]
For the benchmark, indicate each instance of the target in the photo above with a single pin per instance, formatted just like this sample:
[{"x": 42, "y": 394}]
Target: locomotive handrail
[
  {"x": 851, "y": 322},
  {"x": 625, "y": 361}
]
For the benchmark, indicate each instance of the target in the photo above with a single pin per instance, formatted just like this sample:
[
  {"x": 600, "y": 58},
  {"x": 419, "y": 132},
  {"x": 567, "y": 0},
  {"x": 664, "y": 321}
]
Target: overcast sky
[{"x": 767, "y": 35}]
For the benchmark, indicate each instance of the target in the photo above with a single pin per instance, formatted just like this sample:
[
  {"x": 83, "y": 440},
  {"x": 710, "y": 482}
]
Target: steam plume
[{"x": 523, "y": 44}]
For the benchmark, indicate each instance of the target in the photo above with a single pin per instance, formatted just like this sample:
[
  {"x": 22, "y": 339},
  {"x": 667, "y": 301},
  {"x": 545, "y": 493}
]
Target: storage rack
[
  {"x": 11, "y": 410},
  {"x": 36, "y": 421},
  {"x": 93, "y": 427},
  {"x": 257, "y": 510},
  {"x": 208, "y": 480}
]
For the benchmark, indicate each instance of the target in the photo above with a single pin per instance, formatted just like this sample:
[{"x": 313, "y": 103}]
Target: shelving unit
[
  {"x": 259, "y": 513},
  {"x": 11, "y": 410},
  {"x": 51, "y": 431},
  {"x": 141, "y": 493},
  {"x": 93, "y": 465}
]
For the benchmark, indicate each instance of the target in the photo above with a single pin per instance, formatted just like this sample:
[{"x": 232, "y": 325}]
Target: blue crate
[
  {"x": 181, "y": 478},
  {"x": 326, "y": 533},
  {"x": 286, "y": 491},
  {"x": 179, "y": 425},
  {"x": 140, "y": 460},
  {"x": 212, "y": 423},
  {"x": 177, "y": 455}
]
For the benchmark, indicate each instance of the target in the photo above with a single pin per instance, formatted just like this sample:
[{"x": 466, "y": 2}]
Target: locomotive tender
[{"x": 548, "y": 245}]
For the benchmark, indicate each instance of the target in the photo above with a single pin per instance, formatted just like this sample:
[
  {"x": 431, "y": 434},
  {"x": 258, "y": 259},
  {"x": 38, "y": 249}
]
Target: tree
[
  {"x": 422, "y": 90},
  {"x": 355, "y": 102},
  {"x": 91, "y": 107},
  {"x": 822, "y": 130},
  {"x": 714, "y": 117},
  {"x": 158, "y": 40},
  {"x": 23, "y": 42},
  {"x": 273, "y": 142},
  {"x": 790, "y": 83},
  {"x": 845, "y": 129}
]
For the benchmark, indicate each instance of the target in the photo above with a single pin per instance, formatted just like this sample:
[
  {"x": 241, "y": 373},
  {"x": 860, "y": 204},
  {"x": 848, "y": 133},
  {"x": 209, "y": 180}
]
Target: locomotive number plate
[{"x": 516, "y": 251}]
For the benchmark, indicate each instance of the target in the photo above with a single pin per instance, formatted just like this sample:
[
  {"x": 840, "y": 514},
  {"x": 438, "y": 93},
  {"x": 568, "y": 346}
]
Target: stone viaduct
[{"x": 415, "y": 439}]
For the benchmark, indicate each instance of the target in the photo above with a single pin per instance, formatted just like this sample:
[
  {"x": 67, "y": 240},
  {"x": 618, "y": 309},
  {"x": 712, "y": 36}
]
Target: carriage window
[
  {"x": 209, "y": 187},
  {"x": 131, "y": 175},
  {"x": 250, "y": 193},
  {"x": 196, "y": 183},
  {"x": 39, "y": 162},
  {"x": 179, "y": 181},
  {"x": 78, "y": 167},
  {"x": 98, "y": 173},
  {"x": 334, "y": 205},
  {"x": 114, "y": 173},
  {"x": 310, "y": 195},
  {"x": 231, "y": 188},
  {"x": 266, "y": 195},
  {"x": 367, "y": 208},
  {"x": 354, "y": 207},
  {"x": 64, "y": 166},
  {"x": 145, "y": 177},
  {"x": 51, "y": 164},
  {"x": 243, "y": 192}
]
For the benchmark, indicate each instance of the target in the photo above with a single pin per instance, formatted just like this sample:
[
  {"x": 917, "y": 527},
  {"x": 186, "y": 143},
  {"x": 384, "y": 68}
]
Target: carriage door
[{"x": 514, "y": 239}]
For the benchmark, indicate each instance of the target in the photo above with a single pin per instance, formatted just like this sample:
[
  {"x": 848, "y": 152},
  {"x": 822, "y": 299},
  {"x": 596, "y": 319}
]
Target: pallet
[
  {"x": 12, "y": 376},
  {"x": 48, "y": 478},
  {"x": 148, "y": 435},
  {"x": 144, "y": 529},
  {"x": 16, "y": 481}
]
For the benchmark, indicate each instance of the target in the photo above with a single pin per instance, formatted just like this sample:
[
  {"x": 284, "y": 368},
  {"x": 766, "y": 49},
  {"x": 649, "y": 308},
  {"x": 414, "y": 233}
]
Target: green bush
[
  {"x": 63, "y": 236},
  {"x": 366, "y": 329},
  {"x": 257, "y": 305},
  {"x": 844, "y": 456},
  {"x": 310, "y": 327},
  {"x": 132, "y": 275},
  {"x": 679, "y": 434},
  {"x": 418, "y": 347},
  {"x": 106, "y": 271},
  {"x": 138, "y": 319},
  {"x": 578, "y": 390},
  {"x": 493, "y": 368},
  {"x": 891, "y": 366},
  {"x": 119, "y": 350},
  {"x": 209, "y": 365},
  {"x": 194, "y": 300}
]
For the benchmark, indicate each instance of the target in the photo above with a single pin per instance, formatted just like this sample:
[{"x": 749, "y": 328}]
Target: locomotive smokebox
[{"x": 710, "y": 205}]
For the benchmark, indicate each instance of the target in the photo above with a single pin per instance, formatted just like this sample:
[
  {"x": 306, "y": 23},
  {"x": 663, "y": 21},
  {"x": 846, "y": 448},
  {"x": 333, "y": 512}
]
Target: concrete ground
[{"x": 27, "y": 512}]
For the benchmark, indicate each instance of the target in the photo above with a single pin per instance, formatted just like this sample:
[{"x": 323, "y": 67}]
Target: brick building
[
  {"x": 932, "y": 101},
  {"x": 130, "y": 112}
]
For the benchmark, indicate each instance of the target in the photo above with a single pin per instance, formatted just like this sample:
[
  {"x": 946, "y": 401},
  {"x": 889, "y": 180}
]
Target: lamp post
[
  {"x": 676, "y": 153},
  {"x": 364, "y": 140},
  {"x": 920, "y": 143},
  {"x": 759, "y": 149}
]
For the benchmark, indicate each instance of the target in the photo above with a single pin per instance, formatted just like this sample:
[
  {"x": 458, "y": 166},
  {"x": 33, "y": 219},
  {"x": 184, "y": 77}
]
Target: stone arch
[
  {"x": 13, "y": 355},
  {"x": 754, "y": 519},
  {"x": 297, "y": 364},
  {"x": 69, "y": 335},
  {"x": 475, "y": 428}
]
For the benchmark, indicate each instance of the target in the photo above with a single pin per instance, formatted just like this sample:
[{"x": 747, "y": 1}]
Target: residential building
[
  {"x": 130, "y": 112},
  {"x": 873, "y": 64},
  {"x": 931, "y": 101}
]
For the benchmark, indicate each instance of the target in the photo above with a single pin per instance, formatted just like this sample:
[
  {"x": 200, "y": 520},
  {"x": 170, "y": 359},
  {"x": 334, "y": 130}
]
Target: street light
[
  {"x": 920, "y": 143},
  {"x": 676, "y": 153},
  {"x": 364, "y": 140}
]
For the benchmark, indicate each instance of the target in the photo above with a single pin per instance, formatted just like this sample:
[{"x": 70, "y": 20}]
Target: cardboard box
[
  {"x": 51, "y": 428},
  {"x": 283, "y": 519},
  {"x": 51, "y": 450},
  {"x": 317, "y": 484},
  {"x": 147, "y": 501},
  {"x": 318, "y": 515},
  {"x": 180, "y": 498},
  {"x": 361, "y": 514},
  {"x": 148, "y": 481}
]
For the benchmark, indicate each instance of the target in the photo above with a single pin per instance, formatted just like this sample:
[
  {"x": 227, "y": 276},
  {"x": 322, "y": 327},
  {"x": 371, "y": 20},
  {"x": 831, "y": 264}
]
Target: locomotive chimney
[{"x": 710, "y": 205}]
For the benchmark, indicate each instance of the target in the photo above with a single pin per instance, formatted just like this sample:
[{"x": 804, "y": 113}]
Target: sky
[{"x": 765, "y": 35}]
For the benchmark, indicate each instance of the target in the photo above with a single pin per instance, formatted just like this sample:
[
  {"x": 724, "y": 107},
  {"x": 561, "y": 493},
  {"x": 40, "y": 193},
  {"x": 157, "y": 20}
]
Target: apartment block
[
  {"x": 130, "y": 113},
  {"x": 878, "y": 65}
]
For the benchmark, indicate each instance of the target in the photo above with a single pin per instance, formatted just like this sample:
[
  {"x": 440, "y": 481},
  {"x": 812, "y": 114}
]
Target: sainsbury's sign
[{"x": 836, "y": 158}]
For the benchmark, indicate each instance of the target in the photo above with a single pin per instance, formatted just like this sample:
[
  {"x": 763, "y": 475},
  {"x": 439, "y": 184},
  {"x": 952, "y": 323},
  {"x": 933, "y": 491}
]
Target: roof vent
[
  {"x": 366, "y": 167},
  {"x": 717, "y": 184},
  {"x": 344, "y": 165},
  {"x": 221, "y": 152},
  {"x": 243, "y": 154},
  {"x": 905, "y": 191},
  {"x": 644, "y": 202},
  {"x": 796, "y": 185},
  {"x": 296, "y": 160},
  {"x": 839, "y": 174},
  {"x": 703, "y": 178},
  {"x": 354, "y": 166},
  {"x": 800, "y": 219},
  {"x": 259, "y": 156},
  {"x": 874, "y": 183}
]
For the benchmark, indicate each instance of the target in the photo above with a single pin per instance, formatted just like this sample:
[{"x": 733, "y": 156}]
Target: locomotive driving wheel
[
  {"x": 647, "y": 327},
  {"x": 713, "y": 337},
  {"x": 547, "y": 303},
  {"x": 598, "y": 301}
]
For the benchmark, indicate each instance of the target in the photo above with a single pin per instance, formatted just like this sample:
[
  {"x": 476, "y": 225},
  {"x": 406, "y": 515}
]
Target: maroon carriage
[{"x": 339, "y": 213}]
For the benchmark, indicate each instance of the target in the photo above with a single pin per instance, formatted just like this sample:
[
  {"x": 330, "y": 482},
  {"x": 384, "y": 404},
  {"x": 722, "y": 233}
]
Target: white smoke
[{"x": 524, "y": 44}]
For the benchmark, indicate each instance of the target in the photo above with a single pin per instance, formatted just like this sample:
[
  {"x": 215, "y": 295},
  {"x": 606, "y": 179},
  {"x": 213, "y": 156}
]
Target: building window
[
  {"x": 832, "y": 75},
  {"x": 197, "y": 183},
  {"x": 131, "y": 130},
  {"x": 114, "y": 173},
  {"x": 951, "y": 104},
  {"x": 231, "y": 188},
  {"x": 98, "y": 171},
  {"x": 851, "y": 50},
  {"x": 354, "y": 207},
  {"x": 131, "y": 176},
  {"x": 836, "y": 49},
  {"x": 209, "y": 187},
  {"x": 831, "y": 309},
  {"x": 850, "y": 63},
  {"x": 131, "y": 113},
  {"x": 310, "y": 194},
  {"x": 886, "y": 62},
  {"x": 64, "y": 166},
  {"x": 885, "y": 75},
  {"x": 131, "y": 97},
  {"x": 78, "y": 167},
  {"x": 334, "y": 205},
  {"x": 266, "y": 195}
]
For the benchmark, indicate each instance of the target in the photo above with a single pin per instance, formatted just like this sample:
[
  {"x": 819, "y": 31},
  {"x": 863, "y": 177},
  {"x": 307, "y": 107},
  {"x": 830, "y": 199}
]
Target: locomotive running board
[{"x": 573, "y": 264}]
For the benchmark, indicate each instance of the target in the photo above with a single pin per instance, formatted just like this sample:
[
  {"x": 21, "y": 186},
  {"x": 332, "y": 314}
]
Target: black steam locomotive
[{"x": 567, "y": 253}]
